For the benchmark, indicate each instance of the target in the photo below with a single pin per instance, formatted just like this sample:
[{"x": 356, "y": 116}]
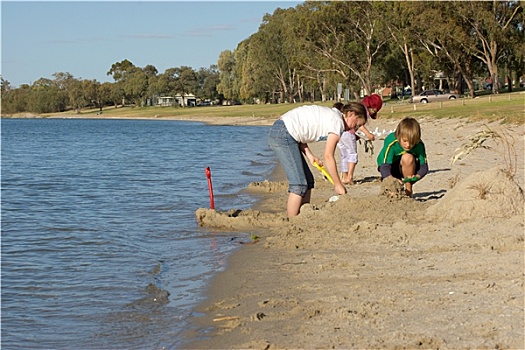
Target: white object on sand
[{"x": 333, "y": 198}]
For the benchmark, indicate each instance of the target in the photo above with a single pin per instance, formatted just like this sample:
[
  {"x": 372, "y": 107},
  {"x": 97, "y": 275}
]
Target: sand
[{"x": 444, "y": 269}]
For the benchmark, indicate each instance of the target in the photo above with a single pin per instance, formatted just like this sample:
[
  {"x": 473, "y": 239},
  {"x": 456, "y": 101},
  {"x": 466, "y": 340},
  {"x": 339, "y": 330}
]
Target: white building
[{"x": 188, "y": 100}]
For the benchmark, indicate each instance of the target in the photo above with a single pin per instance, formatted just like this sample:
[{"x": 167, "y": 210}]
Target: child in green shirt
[{"x": 403, "y": 155}]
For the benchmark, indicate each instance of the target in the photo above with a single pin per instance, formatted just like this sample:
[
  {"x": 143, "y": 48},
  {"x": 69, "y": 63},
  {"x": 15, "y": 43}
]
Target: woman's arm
[
  {"x": 308, "y": 153},
  {"x": 330, "y": 163}
]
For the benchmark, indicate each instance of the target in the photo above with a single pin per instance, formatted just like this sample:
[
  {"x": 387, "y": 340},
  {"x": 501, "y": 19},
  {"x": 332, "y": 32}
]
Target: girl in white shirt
[
  {"x": 348, "y": 142},
  {"x": 289, "y": 137}
]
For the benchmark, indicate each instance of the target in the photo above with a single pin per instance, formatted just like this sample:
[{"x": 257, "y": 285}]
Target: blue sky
[{"x": 40, "y": 38}]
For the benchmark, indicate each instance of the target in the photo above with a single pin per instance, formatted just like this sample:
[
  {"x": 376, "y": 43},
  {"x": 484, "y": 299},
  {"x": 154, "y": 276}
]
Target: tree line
[
  {"x": 303, "y": 53},
  {"x": 132, "y": 85}
]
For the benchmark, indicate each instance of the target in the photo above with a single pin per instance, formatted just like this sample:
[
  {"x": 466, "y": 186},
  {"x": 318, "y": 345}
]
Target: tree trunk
[
  {"x": 322, "y": 88},
  {"x": 409, "y": 55},
  {"x": 495, "y": 82},
  {"x": 493, "y": 67},
  {"x": 299, "y": 89},
  {"x": 471, "y": 88}
]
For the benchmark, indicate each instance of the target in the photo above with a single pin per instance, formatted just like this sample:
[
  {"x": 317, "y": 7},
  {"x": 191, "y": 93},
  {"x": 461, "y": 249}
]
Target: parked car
[{"x": 432, "y": 95}]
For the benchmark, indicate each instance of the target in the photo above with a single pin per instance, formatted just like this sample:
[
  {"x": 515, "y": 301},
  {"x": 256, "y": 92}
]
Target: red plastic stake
[{"x": 210, "y": 188}]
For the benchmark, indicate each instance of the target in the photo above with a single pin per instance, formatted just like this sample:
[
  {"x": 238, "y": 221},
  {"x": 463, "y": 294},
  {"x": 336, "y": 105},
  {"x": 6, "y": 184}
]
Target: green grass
[
  {"x": 264, "y": 111},
  {"x": 505, "y": 107}
]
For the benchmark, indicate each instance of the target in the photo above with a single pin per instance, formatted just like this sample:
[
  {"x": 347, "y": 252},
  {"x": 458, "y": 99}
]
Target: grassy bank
[{"x": 508, "y": 108}]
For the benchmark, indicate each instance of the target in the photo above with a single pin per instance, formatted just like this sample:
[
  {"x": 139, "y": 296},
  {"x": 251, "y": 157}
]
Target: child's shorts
[{"x": 396, "y": 168}]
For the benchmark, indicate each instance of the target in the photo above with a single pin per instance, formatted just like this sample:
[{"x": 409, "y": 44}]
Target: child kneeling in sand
[{"x": 403, "y": 155}]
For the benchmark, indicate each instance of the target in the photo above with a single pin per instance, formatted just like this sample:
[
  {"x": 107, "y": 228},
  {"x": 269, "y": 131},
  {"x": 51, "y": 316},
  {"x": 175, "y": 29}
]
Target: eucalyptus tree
[
  {"x": 90, "y": 88},
  {"x": 393, "y": 68},
  {"x": 264, "y": 63},
  {"x": 103, "y": 94},
  {"x": 348, "y": 34},
  {"x": 118, "y": 69},
  {"x": 278, "y": 50},
  {"x": 66, "y": 84},
  {"x": 245, "y": 70},
  {"x": 297, "y": 51},
  {"x": 179, "y": 80},
  {"x": 188, "y": 81},
  {"x": 153, "y": 90},
  {"x": 46, "y": 97},
  {"x": 207, "y": 81},
  {"x": 63, "y": 79},
  {"x": 117, "y": 93},
  {"x": 135, "y": 85},
  {"x": 77, "y": 96},
  {"x": 516, "y": 61},
  {"x": 256, "y": 79},
  {"x": 227, "y": 75},
  {"x": 152, "y": 76},
  {"x": 5, "y": 85},
  {"x": 448, "y": 38},
  {"x": 14, "y": 100},
  {"x": 491, "y": 24},
  {"x": 316, "y": 69},
  {"x": 400, "y": 20},
  {"x": 96, "y": 93},
  {"x": 150, "y": 70}
]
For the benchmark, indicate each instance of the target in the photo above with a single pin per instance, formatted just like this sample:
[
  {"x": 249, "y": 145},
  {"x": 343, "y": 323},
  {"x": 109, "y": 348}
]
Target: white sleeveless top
[{"x": 313, "y": 123}]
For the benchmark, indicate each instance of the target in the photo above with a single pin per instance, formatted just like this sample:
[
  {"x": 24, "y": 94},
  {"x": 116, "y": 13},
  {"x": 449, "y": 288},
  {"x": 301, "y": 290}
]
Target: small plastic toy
[{"x": 324, "y": 172}]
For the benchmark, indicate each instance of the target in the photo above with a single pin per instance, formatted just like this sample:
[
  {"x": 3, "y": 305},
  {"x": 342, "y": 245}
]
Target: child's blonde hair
[{"x": 409, "y": 129}]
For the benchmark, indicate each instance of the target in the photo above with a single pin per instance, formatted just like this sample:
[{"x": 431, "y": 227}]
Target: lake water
[{"x": 98, "y": 220}]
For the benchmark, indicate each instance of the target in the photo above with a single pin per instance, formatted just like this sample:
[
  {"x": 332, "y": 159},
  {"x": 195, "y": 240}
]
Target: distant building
[
  {"x": 188, "y": 100},
  {"x": 165, "y": 101}
]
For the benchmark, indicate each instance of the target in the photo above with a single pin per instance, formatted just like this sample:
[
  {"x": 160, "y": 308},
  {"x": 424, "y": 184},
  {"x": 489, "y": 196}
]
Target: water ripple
[{"x": 94, "y": 211}]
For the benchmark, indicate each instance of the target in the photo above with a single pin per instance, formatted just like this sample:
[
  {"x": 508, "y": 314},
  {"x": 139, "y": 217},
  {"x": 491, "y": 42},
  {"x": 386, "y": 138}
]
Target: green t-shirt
[{"x": 392, "y": 151}]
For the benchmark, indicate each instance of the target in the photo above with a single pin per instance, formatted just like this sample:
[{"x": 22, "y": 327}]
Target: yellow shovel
[{"x": 324, "y": 172}]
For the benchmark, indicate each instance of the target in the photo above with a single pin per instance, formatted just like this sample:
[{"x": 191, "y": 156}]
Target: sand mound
[
  {"x": 237, "y": 219},
  {"x": 390, "y": 187},
  {"x": 483, "y": 194}
]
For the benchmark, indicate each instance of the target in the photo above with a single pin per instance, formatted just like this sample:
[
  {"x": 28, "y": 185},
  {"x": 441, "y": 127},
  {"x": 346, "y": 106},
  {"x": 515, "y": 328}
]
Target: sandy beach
[{"x": 374, "y": 269}]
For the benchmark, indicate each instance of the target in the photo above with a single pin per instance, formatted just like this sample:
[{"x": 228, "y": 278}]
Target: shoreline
[
  {"x": 255, "y": 121},
  {"x": 348, "y": 275}
]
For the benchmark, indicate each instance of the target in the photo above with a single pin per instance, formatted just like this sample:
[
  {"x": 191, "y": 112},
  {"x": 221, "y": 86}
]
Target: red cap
[{"x": 373, "y": 101}]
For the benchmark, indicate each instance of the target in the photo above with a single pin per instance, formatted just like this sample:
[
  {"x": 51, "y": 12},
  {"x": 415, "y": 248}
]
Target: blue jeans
[{"x": 300, "y": 178}]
